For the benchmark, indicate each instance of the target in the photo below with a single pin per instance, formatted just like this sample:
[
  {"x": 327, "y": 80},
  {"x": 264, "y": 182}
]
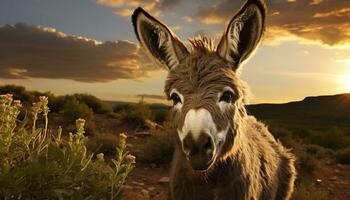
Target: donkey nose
[
  {"x": 203, "y": 144},
  {"x": 199, "y": 151}
]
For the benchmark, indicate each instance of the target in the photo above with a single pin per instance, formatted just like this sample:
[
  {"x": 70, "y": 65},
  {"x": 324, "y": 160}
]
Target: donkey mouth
[{"x": 201, "y": 162}]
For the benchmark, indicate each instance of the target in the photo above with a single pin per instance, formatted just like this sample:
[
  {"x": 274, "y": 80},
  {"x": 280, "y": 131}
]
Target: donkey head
[{"x": 202, "y": 83}]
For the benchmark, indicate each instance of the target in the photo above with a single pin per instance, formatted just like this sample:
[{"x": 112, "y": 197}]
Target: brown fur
[{"x": 252, "y": 164}]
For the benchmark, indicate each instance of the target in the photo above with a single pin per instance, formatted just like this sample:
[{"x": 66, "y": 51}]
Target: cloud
[
  {"x": 113, "y": 3},
  {"x": 168, "y": 4},
  {"x": 334, "y": 13},
  {"x": 315, "y": 2},
  {"x": 322, "y": 21},
  {"x": 125, "y": 12},
  {"x": 124, "y": 8},
  {"x": 43, "y": 52}
]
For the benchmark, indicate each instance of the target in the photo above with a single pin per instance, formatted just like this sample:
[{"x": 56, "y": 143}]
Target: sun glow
[{"x": 346, "y": 82}]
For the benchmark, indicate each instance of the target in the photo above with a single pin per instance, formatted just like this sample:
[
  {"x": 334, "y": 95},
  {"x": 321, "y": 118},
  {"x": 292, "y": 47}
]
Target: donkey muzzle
[{"x": 199, "y": 151}]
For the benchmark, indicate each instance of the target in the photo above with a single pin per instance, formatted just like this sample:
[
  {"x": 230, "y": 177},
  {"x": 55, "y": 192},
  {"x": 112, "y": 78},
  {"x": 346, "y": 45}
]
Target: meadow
[{"x": 75, "y": 154}]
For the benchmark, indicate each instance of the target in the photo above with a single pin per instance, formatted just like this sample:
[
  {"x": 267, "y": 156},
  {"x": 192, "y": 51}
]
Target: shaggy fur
[{"x": 250, "y": 164}]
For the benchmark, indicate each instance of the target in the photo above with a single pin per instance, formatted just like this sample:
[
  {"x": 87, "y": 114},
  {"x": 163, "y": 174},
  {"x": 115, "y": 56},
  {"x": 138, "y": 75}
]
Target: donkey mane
[{"x": 202, "y": 44}]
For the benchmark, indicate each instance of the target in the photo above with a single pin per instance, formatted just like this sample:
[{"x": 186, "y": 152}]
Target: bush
[
  {"x": 18, "y": 92},
  {"x": 282, "y": 134},
  {"x": 158, "y": 149},
  {"x": 333, "y": 139},
  {"x": 73, "y": 109},
  {"x": 305, "y": 162},
  {"x": 318, "y": 151},
  {"x": 343, "y": 156},
  {"x": 103, "y": 142},
  {"x": 136, "y": 115},
  {"x": 120, "y": 108},
  {"x": 160, "y": 115},
  {"x": 308, "y": 191},
  {"x": 57, "y": 103},
  {"x": 93, "y": 103},
  {"x": 36, "y": 164}
]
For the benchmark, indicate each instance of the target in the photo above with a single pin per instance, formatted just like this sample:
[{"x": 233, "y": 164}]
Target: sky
[{"x": 89, "y": 46}]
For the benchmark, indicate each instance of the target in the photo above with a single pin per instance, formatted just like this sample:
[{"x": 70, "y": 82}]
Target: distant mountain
[
  {"x": 335, "y": 106},
  {"x": 114, "y": 103},
  {"x": 152, "y": 105},
  {"x": 316, "y": 112}
]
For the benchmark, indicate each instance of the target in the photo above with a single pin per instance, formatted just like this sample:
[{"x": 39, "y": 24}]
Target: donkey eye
[
  {"x": 227, "y": 96},
  {"x": 176, "y": 99}
]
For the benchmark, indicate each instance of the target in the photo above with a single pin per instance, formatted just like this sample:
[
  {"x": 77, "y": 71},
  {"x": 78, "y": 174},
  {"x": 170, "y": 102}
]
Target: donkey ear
[
  {"x": 243, "y": 33},
  {"x": 157, "y": 39}
]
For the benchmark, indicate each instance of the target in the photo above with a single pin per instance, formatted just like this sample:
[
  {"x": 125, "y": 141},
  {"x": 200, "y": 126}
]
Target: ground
[
  {"x": 149, "y": 181},
  {"x": 146, "y": 181},
  {"x": 334, "y": 178}
]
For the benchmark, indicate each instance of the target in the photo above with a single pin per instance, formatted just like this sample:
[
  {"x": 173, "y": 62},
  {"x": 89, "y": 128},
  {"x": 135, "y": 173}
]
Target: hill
[
  {"x": 312, "y": 112},
  {"x": 318, "y": 112}
]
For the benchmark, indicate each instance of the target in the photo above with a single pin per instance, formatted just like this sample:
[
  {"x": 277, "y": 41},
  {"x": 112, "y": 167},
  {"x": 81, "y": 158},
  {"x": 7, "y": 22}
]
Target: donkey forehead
[{"x": 201, "y": 75}]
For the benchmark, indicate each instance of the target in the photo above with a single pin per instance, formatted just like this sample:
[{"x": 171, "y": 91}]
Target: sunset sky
[{"x": 67, "y": 46}]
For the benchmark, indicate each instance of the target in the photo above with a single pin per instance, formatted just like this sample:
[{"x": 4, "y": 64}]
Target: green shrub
[
  {"x": 26, "y": 97},
  {"x": 306, "y": 190},
  {"x": 93, "y": 103},
  {"x": 136, "y": 115},
  {"x": 343, "y": 156},
  {"x": 18, "y": 92},
  {"x": 305, "y": 162},
  {"x": 73, "y": 109},
  {"x": 120, "y": 108},
  {"x": 318, "y": 151},
  {"x": 283, "y": 134},
  {"x": 158, "y": 149},
  {"x": 160, "y": 115},
  {"x": 56, "y": 103},
  {"x": 36, "y": 164},
  {"x": 333, "y": 138},
  {"x": 302, "y": 133},
  {"x": 103, "y": 142}
]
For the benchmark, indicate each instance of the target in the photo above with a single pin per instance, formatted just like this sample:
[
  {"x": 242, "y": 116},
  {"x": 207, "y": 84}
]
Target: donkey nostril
[
  {"x": 203, "y": 145},
  {"x": 207, "y": 144},
  {"x": 187, "y": 144}
]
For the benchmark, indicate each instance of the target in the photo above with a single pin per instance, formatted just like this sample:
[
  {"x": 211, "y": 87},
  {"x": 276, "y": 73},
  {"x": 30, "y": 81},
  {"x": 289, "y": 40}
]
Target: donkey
[{"x": 221, "y": 151}]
